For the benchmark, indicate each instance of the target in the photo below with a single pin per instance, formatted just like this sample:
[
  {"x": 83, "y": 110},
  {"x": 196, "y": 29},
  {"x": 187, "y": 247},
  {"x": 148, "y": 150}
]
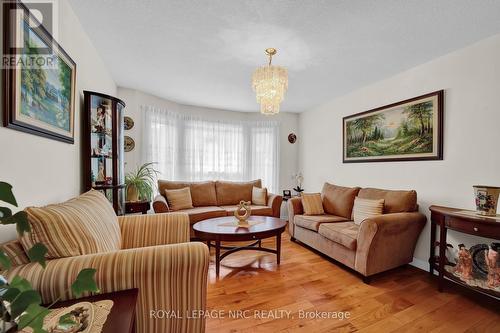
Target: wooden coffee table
[{"x": 214, "y": 231}]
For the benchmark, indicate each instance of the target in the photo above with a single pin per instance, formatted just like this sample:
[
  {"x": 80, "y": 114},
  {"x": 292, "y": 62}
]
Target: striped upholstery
[
  {"x": 151, "y": 230},
  {"x": 179, "y": 199},
  {"x": 15, "y": 252},
  {"x": 84, "y": 225},
  {"x": 312, "y": 203},
  {"x": 169, "y": 277},
  {"x": 366, "y": 208}
]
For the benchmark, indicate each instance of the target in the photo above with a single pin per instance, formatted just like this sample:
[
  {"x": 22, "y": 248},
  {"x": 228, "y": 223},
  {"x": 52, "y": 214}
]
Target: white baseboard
[{"x": 422, "y": 264}]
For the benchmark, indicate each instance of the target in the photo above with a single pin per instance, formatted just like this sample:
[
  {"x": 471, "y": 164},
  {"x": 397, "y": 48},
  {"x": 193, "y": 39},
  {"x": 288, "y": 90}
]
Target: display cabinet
[{"x": 103, "y": 147}]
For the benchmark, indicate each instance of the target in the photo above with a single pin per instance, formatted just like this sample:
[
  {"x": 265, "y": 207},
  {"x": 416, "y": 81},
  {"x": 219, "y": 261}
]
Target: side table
[
  {"x": 122, "y": 316},
  {"x": 132, "y": 207},
  {"x": 444, "y": 218}
]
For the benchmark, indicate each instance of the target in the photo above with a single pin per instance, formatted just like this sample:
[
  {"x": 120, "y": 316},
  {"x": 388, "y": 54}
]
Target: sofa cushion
[
  {"x": 259, "y": 196},
  {"x": 256, "y": 210},
  {"x": 339, "y": 200},
  {"x": 366, "y": 208},
  {"x": 15, "y": 252},
  {"x": 344, "y": 233},
  {"x": 394, "y": 201},
  {"x": 231, "y": 193},
  {"x": 312, "y": 222},
  {"x": 312, "y": 204},
  {"x": 84, "y": 225},
  {"x": 179, "y": 199},
  {"x": 202, "y": 193},
  {"x": 197, "y": 214}
]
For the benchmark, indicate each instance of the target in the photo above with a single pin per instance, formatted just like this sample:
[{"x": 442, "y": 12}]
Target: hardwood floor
[{"x": 271, "y": 298}]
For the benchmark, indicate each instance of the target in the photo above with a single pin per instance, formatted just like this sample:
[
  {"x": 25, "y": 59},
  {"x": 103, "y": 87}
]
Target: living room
[{"x": 234, "y": 166}]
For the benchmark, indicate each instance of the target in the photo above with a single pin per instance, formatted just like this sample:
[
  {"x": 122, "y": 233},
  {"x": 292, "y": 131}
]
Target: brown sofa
[
  {"x": 216, "y": 198},
  {"x": 378, "y": 244}
]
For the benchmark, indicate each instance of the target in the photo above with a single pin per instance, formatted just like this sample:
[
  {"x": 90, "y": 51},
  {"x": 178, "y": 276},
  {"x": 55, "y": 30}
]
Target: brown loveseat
[
  {"x": 376, "y": 245},
  {"x": 216, "y": 198}
]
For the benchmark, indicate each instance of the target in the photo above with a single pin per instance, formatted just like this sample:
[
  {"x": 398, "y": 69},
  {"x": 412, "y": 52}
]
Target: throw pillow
[
  {"x": 259, "y": 196},
  {"x": 179, "y": 199},
  {"x": 312, "y": 204},
  {"x": 366, "y": 208},
  {"x": 84, "y": 225}
]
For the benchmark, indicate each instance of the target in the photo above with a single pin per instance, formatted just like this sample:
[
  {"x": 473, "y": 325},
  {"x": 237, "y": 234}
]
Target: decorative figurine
[
  {"x": 491, "y": 259},
  {"x": 243, "y": 212},
  {"x": 464, "y": 265},
  {"x": 100, "y": 173},
  {"x": 92, "y": 178},
  {"x": 100, "y": 119}
]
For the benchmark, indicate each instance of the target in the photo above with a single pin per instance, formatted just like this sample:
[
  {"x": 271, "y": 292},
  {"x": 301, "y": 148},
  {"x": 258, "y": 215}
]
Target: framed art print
[
  {"x": 409, "y": 130},
  {"x": 39, "y": 83}
]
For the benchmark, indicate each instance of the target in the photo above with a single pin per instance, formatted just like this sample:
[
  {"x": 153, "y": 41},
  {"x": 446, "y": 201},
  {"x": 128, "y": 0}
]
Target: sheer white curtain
[{"x": 192, "y": 148}]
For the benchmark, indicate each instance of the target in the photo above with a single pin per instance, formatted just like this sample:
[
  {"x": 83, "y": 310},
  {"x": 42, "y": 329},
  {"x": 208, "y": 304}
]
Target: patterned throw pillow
[
  {"x": 84, "y": 225},
  {"x": 366, "y": 208},
  {"x": 259, "y": 196},
  {"x": 179, "y": 199},
  {"x": 312, "y": 203}
]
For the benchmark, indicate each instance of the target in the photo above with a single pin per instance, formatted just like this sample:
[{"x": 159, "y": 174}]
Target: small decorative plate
[
  {"x": 129, "y": 143},
  {"x": 292, "y": 138},
  {"x": 128, "y": 123},
  {"x": 88, "y": 318},
  {"x": 478, "y": 260}
]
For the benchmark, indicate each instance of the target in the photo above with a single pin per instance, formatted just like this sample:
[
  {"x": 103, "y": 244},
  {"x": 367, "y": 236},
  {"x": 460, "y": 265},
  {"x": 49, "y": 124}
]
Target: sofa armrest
[
  {"x": 274, "y": 201},
  {"x": 153, "y": 229},
  {"x": 387, "y": 241},
  {"x": 294, "y": 206},
  {"x": 160, "y": 204},
  {"x": 169, "y": 277}
]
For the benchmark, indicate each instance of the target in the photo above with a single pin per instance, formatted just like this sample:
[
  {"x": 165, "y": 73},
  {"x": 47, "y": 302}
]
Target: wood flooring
[{"x": 253, "y": 294}]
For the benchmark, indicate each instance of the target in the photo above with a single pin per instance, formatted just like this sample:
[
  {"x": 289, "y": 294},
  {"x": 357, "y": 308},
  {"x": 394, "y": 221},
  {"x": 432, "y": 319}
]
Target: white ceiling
[{"x": 203, "y": 52}]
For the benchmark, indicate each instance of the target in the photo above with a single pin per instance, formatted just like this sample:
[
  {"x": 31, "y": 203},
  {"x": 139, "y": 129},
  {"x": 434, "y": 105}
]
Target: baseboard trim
[{"x": 421, "y": 264}]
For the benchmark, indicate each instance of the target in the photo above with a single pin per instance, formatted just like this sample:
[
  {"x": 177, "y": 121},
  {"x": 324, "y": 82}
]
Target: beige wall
[
  {"x": 471, "y": 79},
  {"x": 288, "y": 123},
  {"x": 41, "y": 170}
]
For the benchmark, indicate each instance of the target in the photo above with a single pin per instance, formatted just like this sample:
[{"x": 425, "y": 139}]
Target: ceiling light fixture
[{"x": 270, "y": 84}]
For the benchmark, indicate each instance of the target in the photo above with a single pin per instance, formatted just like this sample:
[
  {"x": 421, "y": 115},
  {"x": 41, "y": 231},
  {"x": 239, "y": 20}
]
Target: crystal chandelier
[{"x": 270, "y": 84}]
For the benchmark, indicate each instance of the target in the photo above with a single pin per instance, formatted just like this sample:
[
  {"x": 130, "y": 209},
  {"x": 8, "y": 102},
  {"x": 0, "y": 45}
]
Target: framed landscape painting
[
  {"x": 409, "y": 130},
  {"x": 39, "y": 80}
]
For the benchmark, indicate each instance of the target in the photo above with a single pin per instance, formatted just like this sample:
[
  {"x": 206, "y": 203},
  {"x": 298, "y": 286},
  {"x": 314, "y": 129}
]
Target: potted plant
[
  {"x": 140, "y": 182},
  {"x": 20, "y": 305}
]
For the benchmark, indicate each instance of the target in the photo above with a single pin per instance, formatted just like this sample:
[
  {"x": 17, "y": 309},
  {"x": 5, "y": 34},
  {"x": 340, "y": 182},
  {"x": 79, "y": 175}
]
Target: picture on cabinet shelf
[{"x": 405, "y": 131}]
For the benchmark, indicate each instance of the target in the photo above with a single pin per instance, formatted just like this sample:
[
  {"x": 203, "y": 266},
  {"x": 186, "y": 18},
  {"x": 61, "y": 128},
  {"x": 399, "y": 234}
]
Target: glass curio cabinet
[{"x": 103, "y": 147}]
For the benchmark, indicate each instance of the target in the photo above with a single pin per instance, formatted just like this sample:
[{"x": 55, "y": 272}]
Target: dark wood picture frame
[
  {"x": 10, "y": 77},
  {"x": 437, "y": 155}
]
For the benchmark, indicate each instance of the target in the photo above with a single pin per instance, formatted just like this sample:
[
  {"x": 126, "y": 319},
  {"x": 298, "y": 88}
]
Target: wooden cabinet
[
  {"x": 459, "y": 220},
  {"x": 103, "y": 147}
]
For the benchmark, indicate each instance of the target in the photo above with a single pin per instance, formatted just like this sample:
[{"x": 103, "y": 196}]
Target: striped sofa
[{"x": 154, "y": 255}]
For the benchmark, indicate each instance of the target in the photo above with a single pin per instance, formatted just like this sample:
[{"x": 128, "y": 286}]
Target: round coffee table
[{"x": 226, "y": 229}]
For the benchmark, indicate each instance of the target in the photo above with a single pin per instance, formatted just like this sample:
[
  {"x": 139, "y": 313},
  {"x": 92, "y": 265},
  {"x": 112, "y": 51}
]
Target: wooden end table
[
  {"x": 122, "y": 316},
  {"x": 454, "y": 219},
  {"x": 132, "y": 207},
  {"x": 216, "y": 230}
]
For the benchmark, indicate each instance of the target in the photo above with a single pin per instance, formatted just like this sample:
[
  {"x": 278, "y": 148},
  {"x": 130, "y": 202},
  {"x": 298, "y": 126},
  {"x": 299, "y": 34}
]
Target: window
[{"x": 194, "y": 149}]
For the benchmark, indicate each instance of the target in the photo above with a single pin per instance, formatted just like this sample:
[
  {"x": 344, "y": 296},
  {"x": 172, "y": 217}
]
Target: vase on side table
[{"x": 486, "y": 199}]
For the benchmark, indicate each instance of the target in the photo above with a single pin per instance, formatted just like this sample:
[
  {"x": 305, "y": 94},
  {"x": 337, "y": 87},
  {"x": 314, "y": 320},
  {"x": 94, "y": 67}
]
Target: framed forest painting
[
  {"x": 39, "y": 81},
  {"x": 409, "y": 130}
]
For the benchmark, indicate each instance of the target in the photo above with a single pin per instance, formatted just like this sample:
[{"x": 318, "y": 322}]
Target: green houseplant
[
  {"x": 20, "y": 305},
  {"x": 140, "y": 182}
]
